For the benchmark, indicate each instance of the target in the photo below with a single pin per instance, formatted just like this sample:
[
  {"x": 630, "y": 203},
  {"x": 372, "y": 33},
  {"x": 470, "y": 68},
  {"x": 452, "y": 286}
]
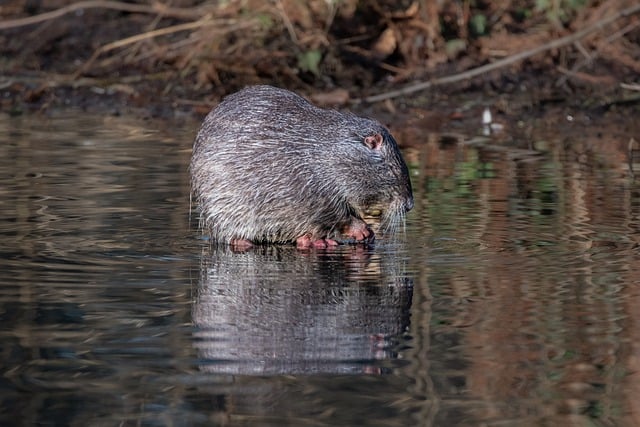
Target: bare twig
[
  {"x": 156, "y": 8},
  {"x": 587, "y": 78},
  {"x": 50, "y": 80},
  {"x": 156, "y": 33},
  {"x": 138, "y": 37},
  {"x": 628, "y": 86},
  {"x": 632, "y": 26},
  {"x": 474, "y": 72},
  {"x": 583, "y": 51},
  {"x": 593, "y": 56},
  {"x": 287, "y": 22}
]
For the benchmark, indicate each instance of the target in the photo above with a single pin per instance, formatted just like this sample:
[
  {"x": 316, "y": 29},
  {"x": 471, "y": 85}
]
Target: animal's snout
[{"x": 408, "y": 204}]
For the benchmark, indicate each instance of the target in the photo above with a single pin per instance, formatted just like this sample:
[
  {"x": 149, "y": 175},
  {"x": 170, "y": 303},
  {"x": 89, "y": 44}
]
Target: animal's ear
[{"x": 374, "y": 142}]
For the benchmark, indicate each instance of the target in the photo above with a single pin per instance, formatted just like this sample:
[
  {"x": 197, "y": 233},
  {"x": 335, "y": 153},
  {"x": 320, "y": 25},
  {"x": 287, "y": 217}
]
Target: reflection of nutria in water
[
  {"x": 275, "y": 310},
  {"x": 268, "y": 166}
]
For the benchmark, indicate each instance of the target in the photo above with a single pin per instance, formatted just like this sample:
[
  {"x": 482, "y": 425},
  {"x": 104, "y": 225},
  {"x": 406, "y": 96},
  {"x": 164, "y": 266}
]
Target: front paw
[{"x": 359, "y": 232}]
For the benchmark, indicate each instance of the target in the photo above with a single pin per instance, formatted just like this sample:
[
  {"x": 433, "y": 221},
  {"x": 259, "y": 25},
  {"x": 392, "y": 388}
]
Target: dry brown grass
[{"x": 186, "y": 48}]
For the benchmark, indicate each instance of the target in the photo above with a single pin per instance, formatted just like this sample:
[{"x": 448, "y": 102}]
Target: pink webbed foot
[{"x": 305, "y": 242}]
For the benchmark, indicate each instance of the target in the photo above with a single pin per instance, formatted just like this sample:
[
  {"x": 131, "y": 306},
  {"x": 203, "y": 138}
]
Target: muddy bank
[{"x": 157, "y": 59}]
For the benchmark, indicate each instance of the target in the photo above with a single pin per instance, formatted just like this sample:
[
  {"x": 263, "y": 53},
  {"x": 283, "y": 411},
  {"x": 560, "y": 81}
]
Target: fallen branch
[
  {"x": 207, "y": 21},
  {"x": 630, "y": 86},
  {"x": 156, "y": 8},
  {"x": 588, "y": 78},
  {"x": 143, "y": 36},
  {"x": 474, "y": 72}
]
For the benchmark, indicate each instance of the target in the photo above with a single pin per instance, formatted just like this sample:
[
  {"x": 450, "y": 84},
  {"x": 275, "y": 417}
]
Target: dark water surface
[{"x": 512, "y": 299}]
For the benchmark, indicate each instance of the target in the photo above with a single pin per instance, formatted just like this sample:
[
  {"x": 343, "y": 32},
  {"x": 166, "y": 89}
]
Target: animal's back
[{"x": 277, "y": 116}]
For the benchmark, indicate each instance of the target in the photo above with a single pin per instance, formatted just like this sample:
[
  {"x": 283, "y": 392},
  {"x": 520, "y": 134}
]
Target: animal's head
[{"x": 378, "y": 178}]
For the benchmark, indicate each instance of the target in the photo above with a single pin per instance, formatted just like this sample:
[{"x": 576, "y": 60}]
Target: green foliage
[
  {"x": 522, "y": 14},
  {"x": 478, "y": 25},
  {"x": 559, "y": 11},
  {"x": 265, "y": 20},
  {"x": 310, "y": 61},
  {"x": 455, "y": 47}
]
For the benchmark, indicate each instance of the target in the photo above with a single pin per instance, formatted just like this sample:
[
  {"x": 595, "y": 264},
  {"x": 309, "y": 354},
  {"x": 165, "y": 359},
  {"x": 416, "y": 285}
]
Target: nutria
[{"x": 268, "y": 166}]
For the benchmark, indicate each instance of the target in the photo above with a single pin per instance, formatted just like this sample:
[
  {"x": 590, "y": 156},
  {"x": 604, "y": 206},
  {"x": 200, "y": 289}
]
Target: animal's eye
[{"x": 374, "y": 142}]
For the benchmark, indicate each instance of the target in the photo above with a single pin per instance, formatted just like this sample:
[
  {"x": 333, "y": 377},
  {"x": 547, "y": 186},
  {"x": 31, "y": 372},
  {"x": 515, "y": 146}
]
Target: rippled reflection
[
  {"x": 532, "y": 279},
  {"x": 511, "y": 298},
  {"x": 278, "y": 310}
]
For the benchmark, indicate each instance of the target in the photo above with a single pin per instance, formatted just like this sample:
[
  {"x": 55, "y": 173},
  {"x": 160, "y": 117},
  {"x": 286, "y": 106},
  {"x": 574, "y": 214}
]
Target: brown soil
[{"x": 182, "y": 56}]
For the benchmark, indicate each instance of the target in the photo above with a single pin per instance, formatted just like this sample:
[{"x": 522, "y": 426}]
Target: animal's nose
[{"x": 408, "y": 204}]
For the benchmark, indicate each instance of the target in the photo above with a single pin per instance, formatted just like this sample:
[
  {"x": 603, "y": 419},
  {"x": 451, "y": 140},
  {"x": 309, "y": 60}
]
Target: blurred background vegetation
[{"x": 195, "y": 51}]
